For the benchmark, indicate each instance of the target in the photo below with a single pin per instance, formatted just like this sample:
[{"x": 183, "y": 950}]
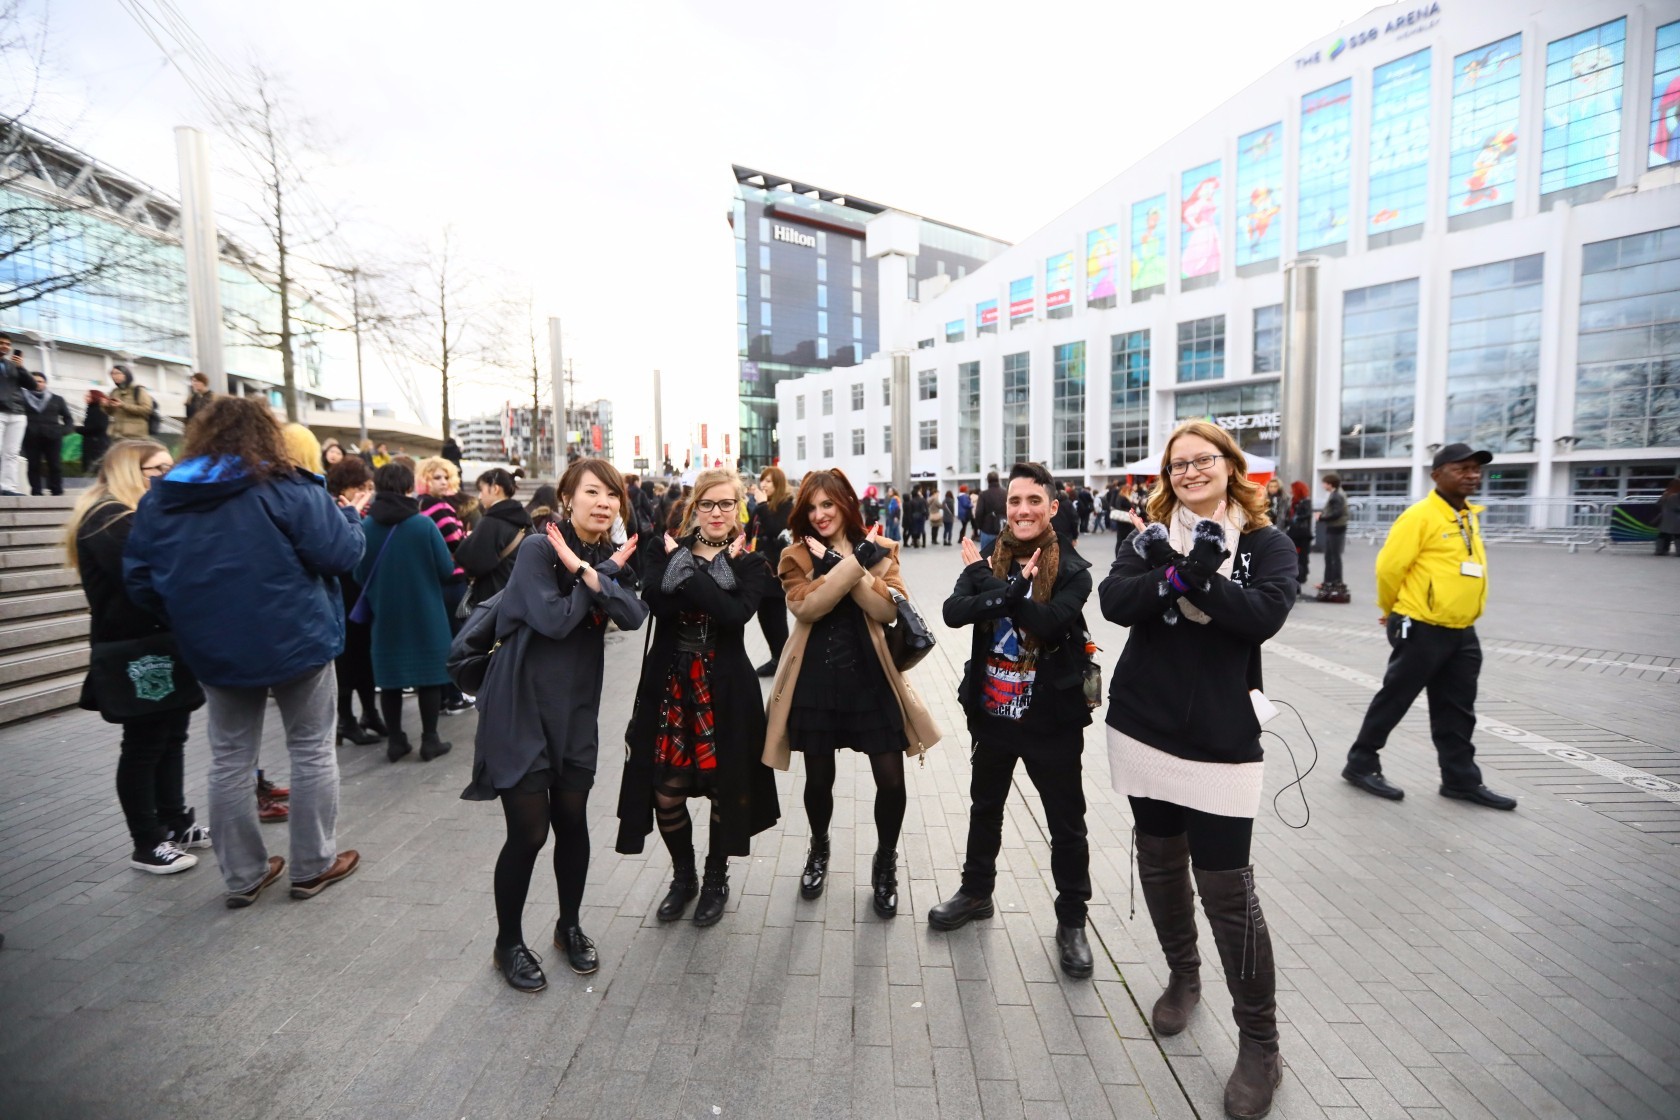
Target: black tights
[
  {"x": 1216, "y": 843},
  {"x": 676, "y": 827},
  {"x": 431, "y": 702},
  {"x": 890, "y": 796},
  {"x": 530, "y": 816}
]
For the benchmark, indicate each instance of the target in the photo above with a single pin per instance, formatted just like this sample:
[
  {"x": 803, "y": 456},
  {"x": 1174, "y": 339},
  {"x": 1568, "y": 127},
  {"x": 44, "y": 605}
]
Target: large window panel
[
  {"x": 1128, "y": 402},
  {"x": 1149, "y": 248},
  {"x": 1017, "y": 408},
  {"x": 1102, "y": 266},
  {"x": 1583, "y": 124},
  {"x": 1260, "y": 195},
  {"x": 1201, "y": 349},
  {"x": 1248, "y": 412},
  {"x": 1627, "y": 385},
  {"x": 1199, "y": 202},
  {"x": 1665, "y": 98},
  {"x": 1326, "y": 160},
  {"x": 1486, "y": 103},
  {"x": 1067, "y": 417},
  {"x": 1493, "y": 354},
  {"x": 1379, "y": 370},
  {"x": 968, "y": 418},
  {"x": 1399, "y": 157}
]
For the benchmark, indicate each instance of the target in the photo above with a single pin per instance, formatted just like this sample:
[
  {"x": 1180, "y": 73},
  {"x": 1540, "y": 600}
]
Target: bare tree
[{"x": 450, "y": 324}]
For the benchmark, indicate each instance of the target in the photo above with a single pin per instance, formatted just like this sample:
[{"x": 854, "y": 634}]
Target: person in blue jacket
[{"x": 239, "y": 550}]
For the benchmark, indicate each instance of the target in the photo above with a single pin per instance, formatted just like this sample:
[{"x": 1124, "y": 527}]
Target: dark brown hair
[
  {"x": 601, "y": 469},
  {"x": 239, "y": 428},
  {"x": 349, "y": 473},
  {"x": 836, "y": 485},
  {"x": 1333, "y": 479}
]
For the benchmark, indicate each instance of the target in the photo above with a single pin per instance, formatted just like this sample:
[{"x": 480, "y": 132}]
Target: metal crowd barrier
[{"x": 1570, "y": 522}]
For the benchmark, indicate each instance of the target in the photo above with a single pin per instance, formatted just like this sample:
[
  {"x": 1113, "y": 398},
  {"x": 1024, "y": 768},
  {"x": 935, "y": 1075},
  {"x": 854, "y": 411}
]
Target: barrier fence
[{"x": 1571, "y": 522}]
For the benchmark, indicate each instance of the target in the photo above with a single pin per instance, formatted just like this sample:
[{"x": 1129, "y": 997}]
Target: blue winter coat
[
  {"x": 410, "y": 623},
  {"x": 244, "y": 570}
]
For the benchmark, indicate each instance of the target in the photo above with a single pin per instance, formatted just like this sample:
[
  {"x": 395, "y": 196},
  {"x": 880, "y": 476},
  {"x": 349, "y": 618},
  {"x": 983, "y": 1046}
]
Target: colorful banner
[
  {"x": 1326, "y": 160},
  {"x": 1665, "y": 98},
  {"x": 1260, "y": 195},
  {"x": 1399, "y": 194},
  {"x": 1058, "y": 281},
  {"x": 1486, "y": 99},
  {"x": 1149, "y": 246},
  {"x": 986, "y": 313},
  {"x": 1102, "y": 263},
  {"x": 1021, "y": 298},
  {"x": 1198, "y": 209},
  {"x": 1583, "y": 123}
]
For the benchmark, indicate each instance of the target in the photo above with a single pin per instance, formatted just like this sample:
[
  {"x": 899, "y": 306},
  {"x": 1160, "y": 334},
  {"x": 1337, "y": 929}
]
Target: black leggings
[
  {"x": 1216, "y": 843},
  {"x": 530, "y": 816},
  {"x": 890, "y": 796},
  {"x": 431, "y": 702}
]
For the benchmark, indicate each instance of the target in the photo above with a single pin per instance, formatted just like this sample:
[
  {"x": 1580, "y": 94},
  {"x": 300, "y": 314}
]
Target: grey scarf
[{"x": 37, "y": 401}]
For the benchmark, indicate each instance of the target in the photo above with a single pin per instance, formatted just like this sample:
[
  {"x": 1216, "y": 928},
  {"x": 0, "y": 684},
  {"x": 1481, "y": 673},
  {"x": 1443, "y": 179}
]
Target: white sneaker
[
  {"x": 165, "y": 859},
  {"x": 195, "y": 836}
]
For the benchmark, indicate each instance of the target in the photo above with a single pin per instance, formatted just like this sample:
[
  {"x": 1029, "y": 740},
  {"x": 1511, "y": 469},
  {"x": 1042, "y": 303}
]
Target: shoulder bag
[
  {"x": 362, "y": 612},
  {"x": 470, "y": 652},
  {"x": 140, "y": 677},
  {"x": 908, "y": 638},
  {"x": 465, "y": 608}
]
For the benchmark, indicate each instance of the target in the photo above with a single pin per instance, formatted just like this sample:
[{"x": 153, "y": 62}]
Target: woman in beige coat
[{"x": 837, "y": 687}]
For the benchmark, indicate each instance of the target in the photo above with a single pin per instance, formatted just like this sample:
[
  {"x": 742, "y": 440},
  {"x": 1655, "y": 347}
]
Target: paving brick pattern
[{"x": 1435, "y": 959}]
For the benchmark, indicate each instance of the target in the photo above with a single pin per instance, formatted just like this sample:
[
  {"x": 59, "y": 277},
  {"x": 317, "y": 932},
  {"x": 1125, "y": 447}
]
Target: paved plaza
[{"x": 1435, "y": 959}]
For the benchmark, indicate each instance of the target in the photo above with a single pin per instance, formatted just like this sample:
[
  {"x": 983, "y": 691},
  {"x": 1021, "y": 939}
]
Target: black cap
[{"x": 1457, "y": 453}]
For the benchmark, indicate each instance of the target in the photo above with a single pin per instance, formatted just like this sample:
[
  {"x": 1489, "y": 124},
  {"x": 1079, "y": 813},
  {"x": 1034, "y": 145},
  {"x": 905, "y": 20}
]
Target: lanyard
[{"x": 1464, "y": 530}]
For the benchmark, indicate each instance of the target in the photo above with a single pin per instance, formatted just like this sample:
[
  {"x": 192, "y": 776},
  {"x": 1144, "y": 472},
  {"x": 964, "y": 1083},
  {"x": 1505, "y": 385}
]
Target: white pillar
[
  {"x": 198, "y": 239},
  {"x": 557, "y": 375}
]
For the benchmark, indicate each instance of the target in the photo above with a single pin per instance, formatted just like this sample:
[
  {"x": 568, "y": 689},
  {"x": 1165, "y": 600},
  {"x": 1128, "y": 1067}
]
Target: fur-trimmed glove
[
  {"x": 1207, "y": 552},
  {"x": 1153, "y": 546},
  {"x": 868, "y": 553}
]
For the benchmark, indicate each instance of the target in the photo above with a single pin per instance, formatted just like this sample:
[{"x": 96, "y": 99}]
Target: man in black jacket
[
  {"x": 48, "y": 421},
  {"x": 1023, "y": 693},
  {"x": 989, "y": 510}
]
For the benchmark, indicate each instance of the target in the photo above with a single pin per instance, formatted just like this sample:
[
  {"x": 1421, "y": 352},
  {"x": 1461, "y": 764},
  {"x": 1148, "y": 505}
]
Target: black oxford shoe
[
  {"x": 1481, "y": 795},
  {"x": 958, "y": 910},
  {"x": 1076, "y": 951},
  {"x": 519, "y": 967},
  {"x": 1375, "y": 783},
  {"x": 579, "y": 950}
]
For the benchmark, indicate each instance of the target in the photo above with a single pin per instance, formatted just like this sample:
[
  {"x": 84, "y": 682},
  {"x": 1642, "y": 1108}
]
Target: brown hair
[
  {"x": 1239, "y": 488},
  {"x": 780, "y": 491},
  {"x": 836, "y": 485},
  {"x": 239, "y": 428},
  {"x": 349, "y": 473},
  {"x": 601, "y": 469}
]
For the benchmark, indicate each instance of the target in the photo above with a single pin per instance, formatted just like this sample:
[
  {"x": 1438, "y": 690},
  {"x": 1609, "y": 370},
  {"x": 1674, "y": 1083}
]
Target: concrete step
[
  {"x": 31, "y": 518},
  {"x": 40, "y": 697},
  {"x": 13, "y": 559},
  {"x": 43, "y": 604},
  {"x": 27, "y": 665},
  {"x": 45, "y": 632},
  {"x": 44, "y": 501},
  {"x": 31, "y": 538},
  {"x": 40, "y": 579}
]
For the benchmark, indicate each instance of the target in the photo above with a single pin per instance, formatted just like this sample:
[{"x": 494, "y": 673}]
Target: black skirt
[{"x": 843, "y": 699}]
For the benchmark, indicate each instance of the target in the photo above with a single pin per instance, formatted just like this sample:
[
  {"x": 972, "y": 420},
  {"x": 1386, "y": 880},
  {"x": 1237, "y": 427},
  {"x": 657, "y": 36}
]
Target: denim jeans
[{"x": 307, "y": 711}]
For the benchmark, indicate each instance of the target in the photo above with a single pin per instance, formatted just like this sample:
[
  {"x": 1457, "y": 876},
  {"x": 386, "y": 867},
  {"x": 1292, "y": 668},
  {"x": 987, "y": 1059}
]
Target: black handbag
[
  {"x": 470, "y": 652},
  {"x": 908, "y": 638},
  {"x": 139, "y": 677}
]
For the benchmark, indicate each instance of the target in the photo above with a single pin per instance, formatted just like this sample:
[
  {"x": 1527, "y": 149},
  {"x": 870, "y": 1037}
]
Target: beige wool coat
[{"x": 809, "y": 599}]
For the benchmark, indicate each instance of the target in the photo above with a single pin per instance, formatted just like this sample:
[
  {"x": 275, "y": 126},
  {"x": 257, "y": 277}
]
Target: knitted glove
[
  {"x": 868, "y": 553},
  {"x": 826, "y": 563},
  {"x": 1207, "y": 552},
  {"x": 1017, "y": 587}
]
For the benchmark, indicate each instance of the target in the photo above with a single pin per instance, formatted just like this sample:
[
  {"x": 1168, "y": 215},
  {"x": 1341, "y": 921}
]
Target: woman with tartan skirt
[{"x": 698, "y": 724}]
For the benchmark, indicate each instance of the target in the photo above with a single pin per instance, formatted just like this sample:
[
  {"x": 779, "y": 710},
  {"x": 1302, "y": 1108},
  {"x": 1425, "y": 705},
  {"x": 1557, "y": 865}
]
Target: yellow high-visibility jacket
[{"x": 1420, "y": 568}]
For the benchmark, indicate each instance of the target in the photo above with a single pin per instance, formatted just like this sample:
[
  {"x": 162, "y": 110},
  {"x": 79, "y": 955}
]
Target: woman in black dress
[
  {"x": 837, "y": 687},
  {"x": 698, "y": 726},
  {"x": 538, "y": 708}
]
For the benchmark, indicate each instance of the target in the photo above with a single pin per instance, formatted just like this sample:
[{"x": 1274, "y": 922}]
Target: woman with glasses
[
  {"x": 837, "y": 688},
  {"x": 698, "y": 726},
  {"x": 1201, "y": 589}
]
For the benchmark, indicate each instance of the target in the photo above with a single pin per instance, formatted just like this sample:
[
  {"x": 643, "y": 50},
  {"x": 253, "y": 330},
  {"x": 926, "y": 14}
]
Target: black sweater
[{"x": 1182, "y": 687}]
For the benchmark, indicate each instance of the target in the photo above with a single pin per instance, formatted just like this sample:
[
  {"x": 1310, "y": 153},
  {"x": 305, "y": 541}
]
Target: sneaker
[
  {"x": 272, "y": 812},
  {"x": 460, "y": 707},
  {"x": 193, "y": 836},
  {"x": 165, "y": 859}
]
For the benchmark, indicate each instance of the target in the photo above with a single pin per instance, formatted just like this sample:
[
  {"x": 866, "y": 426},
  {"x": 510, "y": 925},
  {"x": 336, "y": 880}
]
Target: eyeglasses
[
  {"x": 707, "y": 505},
  {"x": 1200, "y": 462}
]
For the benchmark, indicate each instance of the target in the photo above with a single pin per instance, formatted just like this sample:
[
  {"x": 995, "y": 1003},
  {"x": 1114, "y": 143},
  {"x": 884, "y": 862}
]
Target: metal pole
[
  {"x": 658, "y": 455},
  {"x": 198, "y": 239},
  {"x": 1299, "y": 404},
  {"x": 901, "y": 421},
  {"x": 361, "y": 388},
  {"x": 556, "y": 373}
]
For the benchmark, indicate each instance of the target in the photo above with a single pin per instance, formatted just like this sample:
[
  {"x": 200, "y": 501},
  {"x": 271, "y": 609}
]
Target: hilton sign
[{"x": 793, "y": 236}]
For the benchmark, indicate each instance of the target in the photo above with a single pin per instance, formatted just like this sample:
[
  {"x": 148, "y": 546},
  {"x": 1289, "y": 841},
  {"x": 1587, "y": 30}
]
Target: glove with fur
[
  {"x": 1153, "y": 546},
  {"x": 1207, "y": 552}
]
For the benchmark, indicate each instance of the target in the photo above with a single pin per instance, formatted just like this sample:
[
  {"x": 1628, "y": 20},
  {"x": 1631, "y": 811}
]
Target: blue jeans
[{"x": 986, "y": 539}]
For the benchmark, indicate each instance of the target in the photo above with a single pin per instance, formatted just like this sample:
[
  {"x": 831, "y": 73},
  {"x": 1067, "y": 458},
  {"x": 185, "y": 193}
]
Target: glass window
[
  {"x": 764, "y": 285},
  {"x": 822, "y": 322},
  {"x": 1268, "y": 339},
  {"x": 857, "y": 276},
  {"x": 1149, "y": 249},
  {"x": 1198, "y": 208},
  {"x": 1067, "y": 416},
  {"x": 1058, "y": 286},
  {"x": 1021, "y": 303},
  {"x": 822, "y": 346},
  {"x": 927, "y": 385},
  {"x": 828, "y": 402},
  {"x": 764, "y": 258},
  {"x": 1368, "y": 484},
  {"x": 857, "y": 441},
  {"x": 1325, "y": 161},
  {"x": 954, "y": 330},
  {"x": 1017, "y": 410},
  {"x": 857, "y": 308},
  {"x": 857, "y": 249},
  {"x": 1493, "y": 354},
  {"x": 1249, "y": 412},
  {"x": 1620, "y": 481},
  {"x": 1128, "y": 401},
  {"x": 1399, "y": 158},
  {"x": 1486, "y": 100},
  {"x": 927, "y": 435},
  {"x": 1379, "y": 370},
  {"x": 886, "y": 440},
  {"x": 1201, "y": 349},
  {"x": 799, "y": 444},
  {"x": 1583, "y": 122},
  {"x": 1627, "y": 383},
  {"x": 1260, "y": 195},
  {"x": 924, "y": 344},
  {"x": 799, "y": 407},
  {"x": 986, "y": 317},
  {"x": 1665, "y": 98},
  {"x": 822, "y": 269},
  {"x": 764, "y": 315},
  {"x": 968, "y": 417},
  {"x": 822, "y": 295},
  {"x": 1102, "y": 266},
  {"x": 828, "y": 445},
  {"x": 857, "y": 396},
  {"x": 886, "y": 390},
  {"x": 857, "y": 327},
  {"x": 822, "y": 242}
]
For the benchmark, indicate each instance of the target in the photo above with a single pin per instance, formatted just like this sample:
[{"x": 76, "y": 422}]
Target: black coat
[
  {"x": 1300, "y": 527},
  {"x": 989, "y": 510},
  {"x": 1066, "y": 519},
  {"x": 52, "y": 422},
  {"x": 746, "y": 788},
  {"x": 96, "y": 439},
  {"x": 978, "y": 600},
  {"x": 766, "y": 530},
  {"x": 1182, "y": 686},
  {"x": 113, "y": 617},
  {"x": 14, "y": 379},
  {"x": 480, "y": 555}
]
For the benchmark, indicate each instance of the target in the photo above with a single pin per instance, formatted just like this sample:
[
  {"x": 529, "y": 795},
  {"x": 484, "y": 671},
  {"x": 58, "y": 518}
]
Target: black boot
[
  {"x": 958, "y": 910},
  {"x": 431, "y": 746},
  {"x": 351, "y": 730},
  {"x": 1075, "y": 950},
  {"x": 1245, "y": 949},
  {"x": 375, "y": 723},
  {"x": 714, "y": 891},
  {"x": 811, "y": 883},
  {"x": 1164, "y": 873},
  {"x": 396, "y": 746},
  {"x": 884, "y": 879},
  {"x": 685, "y": 884},
  {"x": 519, "y": 967},
  {"x": 579, "y": 950}
]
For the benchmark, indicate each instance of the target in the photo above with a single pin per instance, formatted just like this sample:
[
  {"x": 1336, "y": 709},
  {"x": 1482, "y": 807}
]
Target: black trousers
[
  {"x": 1446, "y": 664},
  {"x": 149, "y": 777},
  {"x": 1056, "y": 774},
  {"x": 43, "y": 454},
  {"x": 1335, "y": 540},
  {"x": 772, "y": 620}
]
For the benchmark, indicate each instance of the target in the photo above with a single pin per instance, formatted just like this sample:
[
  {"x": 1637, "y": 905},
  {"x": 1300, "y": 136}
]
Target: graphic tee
[{"x": 1011, "y": 670}]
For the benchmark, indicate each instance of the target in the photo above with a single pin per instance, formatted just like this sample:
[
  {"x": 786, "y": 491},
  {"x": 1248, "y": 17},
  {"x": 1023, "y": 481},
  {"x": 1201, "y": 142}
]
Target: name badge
[{"x": 1470, "y": 568}]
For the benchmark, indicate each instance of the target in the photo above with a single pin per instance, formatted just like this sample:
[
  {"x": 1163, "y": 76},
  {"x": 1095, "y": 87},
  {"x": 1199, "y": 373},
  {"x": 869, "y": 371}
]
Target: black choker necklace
[{"x": 709, "y": 542}]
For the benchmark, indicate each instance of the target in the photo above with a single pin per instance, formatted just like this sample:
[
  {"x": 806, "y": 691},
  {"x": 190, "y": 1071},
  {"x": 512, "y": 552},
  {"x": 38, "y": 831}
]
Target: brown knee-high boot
[
  {"x": 1245, "y": 949},
  {"x": 1164, "y": 873}
]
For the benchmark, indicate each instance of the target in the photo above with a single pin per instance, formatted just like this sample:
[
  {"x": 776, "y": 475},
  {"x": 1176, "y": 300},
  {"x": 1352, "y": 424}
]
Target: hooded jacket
[
  {"x": 243, "y": 570},
  {"x": 480, "y": 555}
]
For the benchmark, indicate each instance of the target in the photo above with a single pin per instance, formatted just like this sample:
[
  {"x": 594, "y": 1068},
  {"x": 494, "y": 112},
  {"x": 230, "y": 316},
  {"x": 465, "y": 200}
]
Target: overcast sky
[{"x": 583, "y": 150}]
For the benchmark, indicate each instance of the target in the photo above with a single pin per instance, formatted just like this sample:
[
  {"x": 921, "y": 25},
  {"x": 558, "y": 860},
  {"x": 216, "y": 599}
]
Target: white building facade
[{"x": 1494, "y": 205}]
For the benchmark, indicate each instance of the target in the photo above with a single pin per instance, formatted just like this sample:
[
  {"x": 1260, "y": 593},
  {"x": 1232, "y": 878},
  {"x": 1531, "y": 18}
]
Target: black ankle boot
[
  {"x": 714, "y": 892},
  {"x": 432, "y": 746},
  {"x": 351, "y": 730},
  {"x": 519, "y": 967},
  {"x": 374, "y": 723},
  {"x": 685, "y": 884},
  {"x": 811, "y": 883},
  {"x": 397, "y": 746},
  {"x": 579, "y": 950},
  {"x": 884, "y": 879}
]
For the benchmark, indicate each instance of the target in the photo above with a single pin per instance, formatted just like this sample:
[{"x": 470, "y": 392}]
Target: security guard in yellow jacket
[{"x": 1432, "y": 586}]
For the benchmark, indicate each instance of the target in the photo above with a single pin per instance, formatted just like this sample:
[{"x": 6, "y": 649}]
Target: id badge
[{"x": 1470, "y": 568}]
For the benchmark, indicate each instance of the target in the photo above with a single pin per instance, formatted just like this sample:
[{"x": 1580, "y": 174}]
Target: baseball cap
[{"x": 1457, "y": 453}]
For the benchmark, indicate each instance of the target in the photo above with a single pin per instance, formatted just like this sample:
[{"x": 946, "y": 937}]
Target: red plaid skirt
[{"x": 687, "y": 735}]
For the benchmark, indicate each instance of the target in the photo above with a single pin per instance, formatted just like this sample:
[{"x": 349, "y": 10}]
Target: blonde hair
[
  {"x": 1240, "y": 490},
  {"x": 120, "y": 480},
  {"x": 302, "y": 448},
  {"x": 425, "y": 468},
  {"x": 704, "y": 481}
]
